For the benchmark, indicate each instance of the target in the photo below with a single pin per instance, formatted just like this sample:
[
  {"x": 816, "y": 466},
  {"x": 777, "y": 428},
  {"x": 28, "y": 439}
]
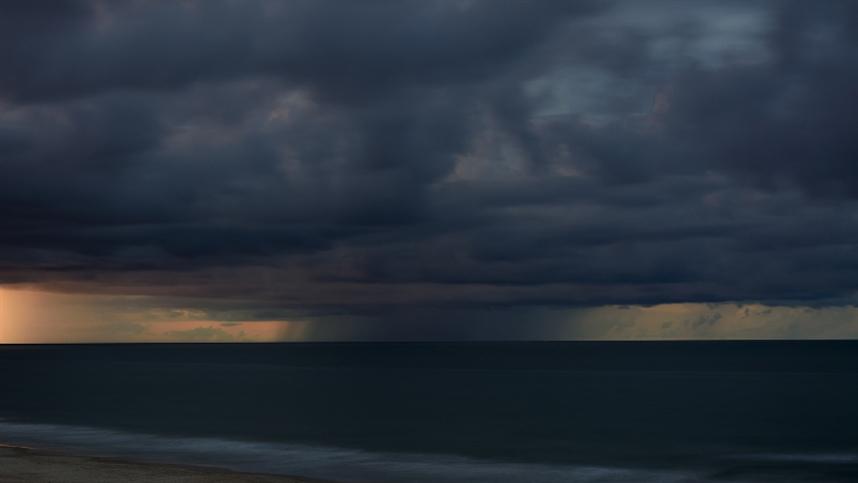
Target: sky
[{"x": 263, "y": 170}]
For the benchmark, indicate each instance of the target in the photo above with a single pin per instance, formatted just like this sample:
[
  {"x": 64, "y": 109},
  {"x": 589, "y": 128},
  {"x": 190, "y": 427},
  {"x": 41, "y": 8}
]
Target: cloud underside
[{"x": 372, "y": 159}]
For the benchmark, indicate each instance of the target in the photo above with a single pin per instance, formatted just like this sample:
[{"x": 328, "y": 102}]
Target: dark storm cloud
[
  {"x": 375, "y": 158},
  {"x": 790, "y": 120},
  {"x": 341, "y": 50}
]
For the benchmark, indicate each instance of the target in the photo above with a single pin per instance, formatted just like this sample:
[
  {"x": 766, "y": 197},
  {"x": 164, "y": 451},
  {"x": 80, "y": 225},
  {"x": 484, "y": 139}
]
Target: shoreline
[{"x": 25, "y": 464}]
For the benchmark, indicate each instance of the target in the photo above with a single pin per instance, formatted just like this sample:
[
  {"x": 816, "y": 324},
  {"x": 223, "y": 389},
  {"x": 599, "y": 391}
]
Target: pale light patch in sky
[
  {"x": 708, "y": 34},
  {"x": 711, "y": 33}
]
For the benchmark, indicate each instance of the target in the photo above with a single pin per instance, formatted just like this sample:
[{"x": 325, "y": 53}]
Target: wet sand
[{"x": 29, "y": 465}]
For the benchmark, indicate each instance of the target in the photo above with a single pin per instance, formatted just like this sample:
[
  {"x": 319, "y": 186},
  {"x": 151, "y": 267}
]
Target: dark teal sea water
[{"x": 483, "y": 412}]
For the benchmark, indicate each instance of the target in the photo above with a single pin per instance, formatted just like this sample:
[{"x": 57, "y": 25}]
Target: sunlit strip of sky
[{"x": 31, "y": 316}]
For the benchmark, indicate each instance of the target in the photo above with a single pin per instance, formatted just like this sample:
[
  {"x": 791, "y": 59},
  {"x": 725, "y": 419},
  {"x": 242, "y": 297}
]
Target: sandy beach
[{"x": 29, "y": 465}]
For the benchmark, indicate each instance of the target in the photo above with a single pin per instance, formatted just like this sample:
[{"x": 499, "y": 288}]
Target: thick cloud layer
[{"x": 386, "y": 158}]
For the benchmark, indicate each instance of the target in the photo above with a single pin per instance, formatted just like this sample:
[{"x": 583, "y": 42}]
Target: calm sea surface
[{"x": 427, "y": 412}]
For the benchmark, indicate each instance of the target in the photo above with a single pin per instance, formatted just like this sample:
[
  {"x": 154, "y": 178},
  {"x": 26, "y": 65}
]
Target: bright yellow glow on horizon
[
  {"x": 5, "y": 318},
  {"x": 37, "y": 317},
  {"x": 14, "y": 306}
]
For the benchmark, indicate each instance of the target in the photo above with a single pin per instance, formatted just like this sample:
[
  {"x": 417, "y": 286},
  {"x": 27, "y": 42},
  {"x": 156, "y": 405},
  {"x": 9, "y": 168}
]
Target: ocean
[{"x": 449, "y": 412}]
